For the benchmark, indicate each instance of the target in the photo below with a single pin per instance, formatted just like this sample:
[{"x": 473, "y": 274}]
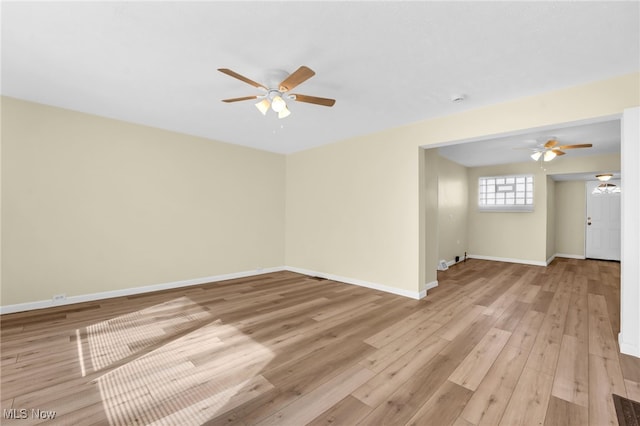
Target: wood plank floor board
[
  {"x": 530, "y": 399},
  {"x": 443, "y": 407},
  {"x": 605, "y": 379},
  {"x": 314, "y": 403},
  {"x": 494, "y": 343},
  {"x": 344, "y": 305},
  {"x": 405, "y": 401},
  {"x": 500, "y": 305},
  {"x": 383, "y": 357},
  {"x": 503, "y": 285},
  {"x": 456, "y": 326},
  {"x": 525, "y": 334},
  {"x": 633, "y": 389},
  {"x": 511, "y": 317},
  {"x": 346, "y": 412},
  {"x": 542, "y": 301},
  {"x": 448, "y": 310},
  {"x": 613, "y": 307},
  {"x": 545, "y": 351},
  {"x": 471, "y": 371},
  {"x": 630, "y": 367},
  {"x": 571, "y": 381},
  {"x": 577, "y": 324},
  {"x": 601, "y": 340},
  {"x": 383, "y": 384},
  {"x": 402, "y": 404},
  {"x": 489, "y": 401},
  {"x": 297, "y": 379},
  {"x": 464, "y": 342},
  {"x": 564, "y": 413},
  {"x": 529, "y": 294},
  {"x": 399, "y": 328}
]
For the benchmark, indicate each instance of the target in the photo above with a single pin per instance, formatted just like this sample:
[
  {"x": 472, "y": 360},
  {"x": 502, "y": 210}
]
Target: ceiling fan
[
  {"x": 551, "y": 150},
  {"x": 276, "y": 97}
]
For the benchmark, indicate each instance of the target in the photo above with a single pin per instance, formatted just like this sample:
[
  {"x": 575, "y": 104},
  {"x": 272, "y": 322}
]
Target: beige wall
[
  {"x": 453, "y": 206},
  {"x": 570, "y": 218},
  {"x": 432, "y": 216},
  {"x": 522, "y": 235},
  {"x": 551, "y": 218},
  {"x": 76, "y": 187},
  {"x": 356, "y": 208},
  {"x": 352, "y": 210},
  {"x": 92, "y": 204},
  {"x": 501, "y": 234}
]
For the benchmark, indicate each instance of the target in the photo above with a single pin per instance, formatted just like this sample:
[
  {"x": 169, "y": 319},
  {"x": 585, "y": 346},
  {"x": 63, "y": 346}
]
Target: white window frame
[{"x": 506, "y": 193}]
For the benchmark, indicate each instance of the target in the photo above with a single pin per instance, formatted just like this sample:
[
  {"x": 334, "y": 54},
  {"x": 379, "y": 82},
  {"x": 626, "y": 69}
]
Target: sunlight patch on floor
[
  {"x": 172, "y": 363},
  {"x": 122, "y": 337}
]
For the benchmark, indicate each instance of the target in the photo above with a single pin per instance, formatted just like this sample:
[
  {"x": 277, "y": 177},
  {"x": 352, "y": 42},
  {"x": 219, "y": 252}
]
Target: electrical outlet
[{"x": 59, "y": 298}]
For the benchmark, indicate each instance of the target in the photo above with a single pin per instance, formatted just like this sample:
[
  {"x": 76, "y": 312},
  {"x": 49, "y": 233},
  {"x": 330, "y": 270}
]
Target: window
[{"x": 506, "y": 193}]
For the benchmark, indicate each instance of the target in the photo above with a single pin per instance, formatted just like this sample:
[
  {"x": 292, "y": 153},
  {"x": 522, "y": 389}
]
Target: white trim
[
  {"x": 41, "y": 304},
  {"x": 628, "y": 348},
  {"x": 507, "y": 259},
  {"x": 427, "y": 287},
  {"x": 549, "y": 260},
  {"x": 354, "y": 281},
  {"x": 452, "y": 262},
  {"x": 570, "y": 256},
  {"x": 630, "y": 228}
]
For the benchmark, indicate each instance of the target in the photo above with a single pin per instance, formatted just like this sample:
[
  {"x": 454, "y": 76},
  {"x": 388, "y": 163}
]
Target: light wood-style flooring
[{"x": 494, "y": 344}]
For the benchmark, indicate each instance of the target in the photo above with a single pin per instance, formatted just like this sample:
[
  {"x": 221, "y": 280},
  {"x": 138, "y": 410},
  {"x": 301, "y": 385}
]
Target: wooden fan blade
[
  {"x": 551, "y": 143},
  {"x": 241, "y": 78},
  {"x": 300, "y": 75},
  {"x": 582, "y": 145},
  {"x": 315, "y": 100},
  {"x": 558, "y": 152},
  {"x": 244, "y": 98}
]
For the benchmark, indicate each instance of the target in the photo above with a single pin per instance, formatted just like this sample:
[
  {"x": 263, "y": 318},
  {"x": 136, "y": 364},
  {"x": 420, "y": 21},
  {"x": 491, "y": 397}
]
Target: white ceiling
[
  {"x": 604, "y": 136},
  {"x": 386, "y": 63}
]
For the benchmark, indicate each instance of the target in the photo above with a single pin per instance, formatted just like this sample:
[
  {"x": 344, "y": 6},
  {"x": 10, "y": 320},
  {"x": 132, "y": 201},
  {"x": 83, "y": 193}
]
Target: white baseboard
[
  {"x": 361, "y": 283},
  {"x": 627, "y": 348},
  {"x": 41, "y": 304},
  {"x": 449, "y": 263},
  {"x": 427, "y": 287},
  {"x": 525, "y": 261},
  {"x": 570, "y": 256},
  {"x": 507, "y": 259}
]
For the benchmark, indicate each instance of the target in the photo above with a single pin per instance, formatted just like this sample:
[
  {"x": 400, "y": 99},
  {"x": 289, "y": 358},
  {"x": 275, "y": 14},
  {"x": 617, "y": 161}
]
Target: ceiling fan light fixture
[
  {"x": 604, "y": 177},
  {"x": 276, "y": 97},
  {"x": 549, "y": 155},
  {"x": 263, "y": 106},
  {"x": 536, "y": 155},
  {"x": 278, "y": 104},
  {"x": 606, "y": 188},
  {"x": 284, "y": 112}
]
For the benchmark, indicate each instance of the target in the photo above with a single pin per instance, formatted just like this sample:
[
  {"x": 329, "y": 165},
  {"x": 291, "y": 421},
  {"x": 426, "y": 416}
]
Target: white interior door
[{"x": 603, "y": 223}]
